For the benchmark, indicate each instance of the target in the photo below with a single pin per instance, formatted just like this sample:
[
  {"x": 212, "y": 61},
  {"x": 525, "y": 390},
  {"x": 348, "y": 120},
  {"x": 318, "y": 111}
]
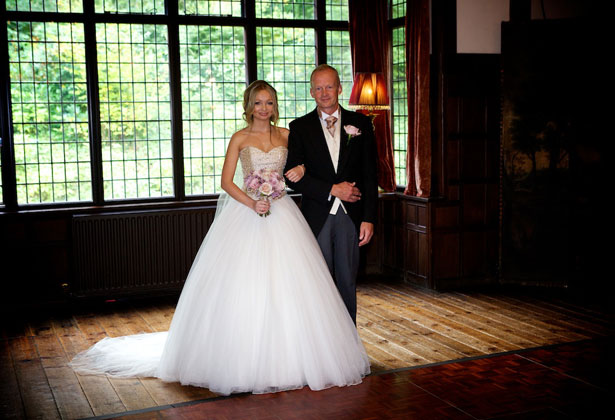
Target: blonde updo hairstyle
[{"x": 249, "y": 97}]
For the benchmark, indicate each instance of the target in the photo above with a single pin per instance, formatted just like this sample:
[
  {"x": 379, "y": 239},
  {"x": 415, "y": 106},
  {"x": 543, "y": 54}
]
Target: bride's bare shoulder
[
  {"x": 241, "y": 134},
  {"x": 239, "y": 137},
  {"x": 283, "y": 132}
]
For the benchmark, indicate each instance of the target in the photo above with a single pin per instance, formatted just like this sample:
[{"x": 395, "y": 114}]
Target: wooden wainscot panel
[
  {"x": 422, "y": 216},
  {"x": 50, "y": 230},
  {"x": 411, "y": 251},
  {"x": 492, "y": 205},
  {"x": 416, "y": 263},
  {"x": 453, "y": 191},
  {"x": 473, "y": 254},
  {"x": 12, "y": 230},
  {"x": 372, "y": 255},
  {"x": 391, "y": 232},
  {"x": 473, "y": 204},
  {"x": 473, "y": 111},
  {"x": 445, "y": 256},
  {"x": 446, "y": 216},
  {"x": 423, "y": 257},
  {"x": 492, "y": 245},
  {"x": 473, "y": 157},
  {"x": 492, "y": 164},
  {"x": 410, "y": 214},
  {"x": 39, "y": 238},
  {"x": 416, "y": 256},
  {"x": 452, "y": 161},
  {"x": 452, "y": 113}
]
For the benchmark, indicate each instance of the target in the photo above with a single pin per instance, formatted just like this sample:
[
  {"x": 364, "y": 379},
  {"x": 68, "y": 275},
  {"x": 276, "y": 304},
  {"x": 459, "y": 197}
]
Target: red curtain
[
  {"x": 418, "y": 166},
  {"x": 370, "y": 46}
]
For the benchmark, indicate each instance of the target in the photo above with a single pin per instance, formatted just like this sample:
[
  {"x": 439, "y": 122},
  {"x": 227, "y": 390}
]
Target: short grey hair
[{"x": 324, "y": 67}]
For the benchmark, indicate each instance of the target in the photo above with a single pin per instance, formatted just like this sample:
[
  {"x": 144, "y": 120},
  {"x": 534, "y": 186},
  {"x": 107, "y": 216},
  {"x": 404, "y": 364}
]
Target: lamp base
[
  {"x": 372, "y": 117},
  {"x": 369, "y": 109}
]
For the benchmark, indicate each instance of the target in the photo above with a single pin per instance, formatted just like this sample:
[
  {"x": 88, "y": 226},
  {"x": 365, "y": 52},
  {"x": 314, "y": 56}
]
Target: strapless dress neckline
[{"x": 261, "y": 150}]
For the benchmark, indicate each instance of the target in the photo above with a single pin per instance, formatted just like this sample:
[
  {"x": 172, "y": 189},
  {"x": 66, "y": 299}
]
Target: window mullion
[
  {"x": 91, "y": 60},
  {"x": 250, "y": 37},
  {"x": 321, "y": 31},
  {"x": 9, "y": 179},
  {"x": 176, "y": 102}
]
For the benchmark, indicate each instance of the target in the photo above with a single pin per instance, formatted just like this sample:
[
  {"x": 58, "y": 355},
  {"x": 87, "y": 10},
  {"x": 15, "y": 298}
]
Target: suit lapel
[{"x": 347, "y": 118}]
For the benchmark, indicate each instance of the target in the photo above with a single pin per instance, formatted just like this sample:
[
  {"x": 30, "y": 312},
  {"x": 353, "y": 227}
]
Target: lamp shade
[{"x": 369, "y": 91}]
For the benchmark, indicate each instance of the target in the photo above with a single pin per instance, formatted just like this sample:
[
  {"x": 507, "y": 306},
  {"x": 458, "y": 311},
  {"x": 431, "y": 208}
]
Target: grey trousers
[{"x": 339, "y": 243}]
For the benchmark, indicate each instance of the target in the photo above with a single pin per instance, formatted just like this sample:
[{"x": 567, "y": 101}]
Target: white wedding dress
[{"x": 258, "y": 313}]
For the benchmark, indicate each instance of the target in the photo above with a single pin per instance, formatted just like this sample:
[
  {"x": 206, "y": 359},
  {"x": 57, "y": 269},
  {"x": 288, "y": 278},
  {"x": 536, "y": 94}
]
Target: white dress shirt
[{"x": 333, "y": 143}]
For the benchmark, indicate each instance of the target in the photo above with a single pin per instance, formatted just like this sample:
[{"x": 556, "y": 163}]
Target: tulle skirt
[{"x": 259, "y": 313}]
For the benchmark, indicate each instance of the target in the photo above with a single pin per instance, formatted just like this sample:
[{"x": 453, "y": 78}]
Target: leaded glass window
[
  {"x": 148, "y": 7},
  {"x": 124, "y": 147},
  {"x": 337, "y": 10},
  {"x": 213, "y": 81},
  {"x": 50, "y": 6},
  {"x": 285, "y": 9},
  {"x": 398, "y": 9},
  {"x": 49, "y": 111},
  {"x": 338, "y": 56},
  {"x": 210, "y": 7},
  {"x": 286, "y": 58},
  {"x": 135, "y": 117},
  {"x": 400, "y": 105}
]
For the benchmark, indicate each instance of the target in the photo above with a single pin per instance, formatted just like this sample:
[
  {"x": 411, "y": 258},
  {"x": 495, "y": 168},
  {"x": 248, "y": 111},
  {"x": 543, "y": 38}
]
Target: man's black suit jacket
[{"x": 357, "y": 163}]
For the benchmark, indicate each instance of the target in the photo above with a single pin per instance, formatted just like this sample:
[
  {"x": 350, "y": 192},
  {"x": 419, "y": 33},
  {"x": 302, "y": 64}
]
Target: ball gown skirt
[{"x": 259, "y": 313}]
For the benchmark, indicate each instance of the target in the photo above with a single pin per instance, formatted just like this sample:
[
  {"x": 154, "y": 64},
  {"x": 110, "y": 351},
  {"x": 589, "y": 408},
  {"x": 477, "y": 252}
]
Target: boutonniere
[{"x": 352, "y": 131}]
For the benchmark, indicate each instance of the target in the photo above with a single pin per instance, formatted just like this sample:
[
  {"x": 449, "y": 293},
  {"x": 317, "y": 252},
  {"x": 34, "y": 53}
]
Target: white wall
[
  {"x": 479, "y": 21},
  {"x": 479, "y": 24}
]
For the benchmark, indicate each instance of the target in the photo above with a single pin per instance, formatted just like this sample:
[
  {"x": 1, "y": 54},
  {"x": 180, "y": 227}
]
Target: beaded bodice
[
  {"x": 253, "y": 159},
  {"x": 256, "y": 163}
]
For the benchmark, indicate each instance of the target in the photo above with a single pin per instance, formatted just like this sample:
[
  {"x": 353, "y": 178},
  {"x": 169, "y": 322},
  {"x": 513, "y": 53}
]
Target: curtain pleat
[
  {"x": 418, "y": 166},
  {"x": 370, "y": 47}
]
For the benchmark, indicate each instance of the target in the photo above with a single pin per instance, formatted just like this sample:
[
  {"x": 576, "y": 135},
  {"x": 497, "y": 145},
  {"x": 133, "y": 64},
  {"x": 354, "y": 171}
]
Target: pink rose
[
  {"x": 352, "y": 131},
  {"x": 265, "y": 189},
  {"x": 253, "y": 184}
]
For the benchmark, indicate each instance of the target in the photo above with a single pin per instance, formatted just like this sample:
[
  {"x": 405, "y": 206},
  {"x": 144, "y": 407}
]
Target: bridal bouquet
[{"x": 265, "y": 184}]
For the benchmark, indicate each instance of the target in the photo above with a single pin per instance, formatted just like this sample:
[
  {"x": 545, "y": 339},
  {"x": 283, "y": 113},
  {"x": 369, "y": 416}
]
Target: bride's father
[{"x": 340, "y": 187}]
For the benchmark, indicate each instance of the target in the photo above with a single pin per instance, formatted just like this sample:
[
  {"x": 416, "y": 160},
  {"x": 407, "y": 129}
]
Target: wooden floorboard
[
  {"x": 402, "y": 326},
  {"x": 10, "y": 397}
]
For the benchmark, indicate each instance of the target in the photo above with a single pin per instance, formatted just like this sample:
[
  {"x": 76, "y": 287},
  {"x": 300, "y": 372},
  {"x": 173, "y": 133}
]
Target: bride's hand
[{"x": 261, "y": 206}]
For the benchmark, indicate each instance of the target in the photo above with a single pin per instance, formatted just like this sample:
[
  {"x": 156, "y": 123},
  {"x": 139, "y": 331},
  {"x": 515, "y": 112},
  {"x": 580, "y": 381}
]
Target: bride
[{"x": 259, "y": 311}]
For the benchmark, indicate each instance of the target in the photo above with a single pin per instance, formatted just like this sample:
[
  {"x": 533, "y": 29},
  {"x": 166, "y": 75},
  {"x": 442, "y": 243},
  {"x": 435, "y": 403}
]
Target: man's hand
[
  {"x": 346, "y": 191},
  {"x": 366, "y": 231}
]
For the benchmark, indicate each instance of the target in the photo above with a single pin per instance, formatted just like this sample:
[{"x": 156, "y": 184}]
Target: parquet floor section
[
  {"x": 537, "y": 384},
  {"x": 401, "y": 326}
]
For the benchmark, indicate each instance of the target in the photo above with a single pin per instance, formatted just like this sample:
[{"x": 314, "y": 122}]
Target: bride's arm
[
  {"x": 228, "y": 171},
  {"x": 293, "y": 174}
]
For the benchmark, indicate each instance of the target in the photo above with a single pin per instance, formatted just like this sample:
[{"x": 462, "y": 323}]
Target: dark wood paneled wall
[
  {"x": 466, "y": 221},
  {"x": 451, "y": 239},
  {"x": 35, "y": 256},
  {"x": 41, "y": 253}
]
